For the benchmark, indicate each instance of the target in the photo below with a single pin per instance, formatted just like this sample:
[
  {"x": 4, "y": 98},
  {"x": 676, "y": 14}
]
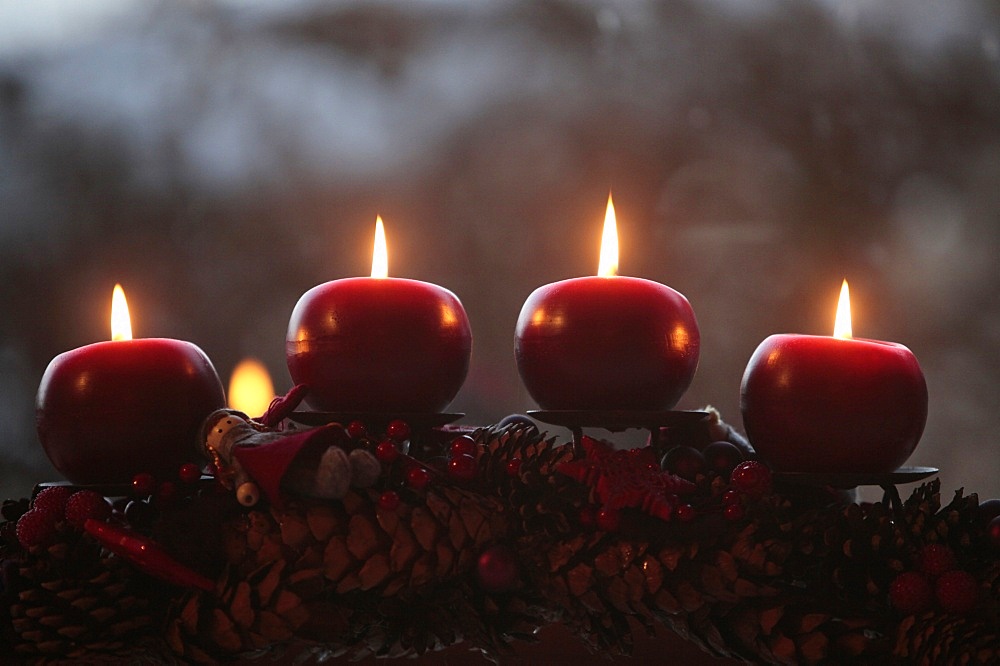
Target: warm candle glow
[
  {"x": 121, "y": 324},
  {"x": 380, "y": 256},
  {"x": 250, "y": 388},
  {"x": 842, "y": 326},
  {"x": 609, "y": 243}
]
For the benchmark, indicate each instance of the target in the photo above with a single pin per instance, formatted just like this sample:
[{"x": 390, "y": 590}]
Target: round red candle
[
  {"x": 109, "y": 410},
  {"x": 833, "y": 404},
  {"x": 606, "y": 342},
  {"x": 379, "y": 344}
]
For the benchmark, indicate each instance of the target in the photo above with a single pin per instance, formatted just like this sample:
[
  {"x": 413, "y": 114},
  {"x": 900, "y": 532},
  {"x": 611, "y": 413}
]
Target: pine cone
[
  {"x": 316, "y": 568},
  {"x": 75, "y": 600}
]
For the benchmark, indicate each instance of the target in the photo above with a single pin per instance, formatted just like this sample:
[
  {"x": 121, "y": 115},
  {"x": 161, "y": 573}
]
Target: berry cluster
[
  {"x": 55, "y": 509},
  {"x": 748, "y": 480},
  {"x": 147, "y": 495},
  {"x": 936, "y": 579}
]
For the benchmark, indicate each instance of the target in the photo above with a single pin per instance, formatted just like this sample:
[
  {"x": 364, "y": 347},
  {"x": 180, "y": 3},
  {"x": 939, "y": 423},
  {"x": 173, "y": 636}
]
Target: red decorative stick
[{"x": 146, "y": 554}]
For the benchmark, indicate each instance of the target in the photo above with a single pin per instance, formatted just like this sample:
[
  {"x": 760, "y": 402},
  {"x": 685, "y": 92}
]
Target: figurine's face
[{"x": 217, "y": 434}]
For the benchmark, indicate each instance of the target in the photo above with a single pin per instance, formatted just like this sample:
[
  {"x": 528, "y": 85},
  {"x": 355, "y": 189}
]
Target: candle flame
[
  {"x": 121, "y": 323},
  {"x": 250, "y": 388},
  {"x": 842, "y": 326},
  {"x": 608, "y": 265},
  {"x": 380, "y": 256}
]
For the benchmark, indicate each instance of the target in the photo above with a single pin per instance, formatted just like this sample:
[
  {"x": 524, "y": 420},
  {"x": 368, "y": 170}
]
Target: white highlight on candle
[
  {"x": 842, "y": 326},
  {"x": 608, "y": 265},
  {"x": 121, "y": 323},
  {"x": 380, "y": 255}
]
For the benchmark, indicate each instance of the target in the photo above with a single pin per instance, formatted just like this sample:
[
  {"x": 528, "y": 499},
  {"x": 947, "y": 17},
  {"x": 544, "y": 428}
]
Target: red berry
[
  {"x": 189, "y": 473},
  {"x": 52, "y": 501},
  {"x": 957, "y": 591},
  {"x": 685, "y": 513},
  {"x": 398, "y": 430},
  {"x": 993, "y": 533},
  {"x": 36, "y": 528},
  {"x": 143, "y": 484},
  {"x": 910, "y": 592},
  {"x": 462, "y": 467},
  {"x": 166, "y": 494},
  {"x": 988, "y": 510},
  {"x": 356, "y": 430},
  {"x": 752, "y": 478},
  {"x": 684, "y": 461},
  {"x": 732, "y": 497},
  {"x": 608, "y": 519},
  {"x": 513, "y": 467},
  {"x": 386, "y": 451},
  {"x": 389, "y": 500},
  {"x": 496, "y": 569},
  {"x": 935, "y": 559},
  {"x": 140, "y": 514},
  {"x": 418, "y": 478},
  {"x": 463, "y": 445},
  {"x": 734, "y": 512},
  {"x": 722, "y": 456},
  {"x": 86, "y": 504}
]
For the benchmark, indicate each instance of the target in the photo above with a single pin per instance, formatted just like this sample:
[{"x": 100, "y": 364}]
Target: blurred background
[{"x": 219, "y": 158}]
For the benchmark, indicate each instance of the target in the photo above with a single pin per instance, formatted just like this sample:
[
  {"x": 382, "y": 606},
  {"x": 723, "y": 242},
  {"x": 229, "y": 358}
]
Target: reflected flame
[
  {"x": 842, "y": 326},
  {"x": 380, "y": 256},
  {"x": 250, "y": 388},
  {"x": 121, "y": 323},
  {"x": 608, "y": 265}
]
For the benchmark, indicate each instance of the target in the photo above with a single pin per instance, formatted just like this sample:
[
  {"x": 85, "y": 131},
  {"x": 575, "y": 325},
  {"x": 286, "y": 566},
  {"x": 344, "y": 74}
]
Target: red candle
[
  {"x": 379, "y": 344},
  {"x": 109, "y": 410},
  {"x": 606, "y": 342},
  {"x": 833, "y": 404}
]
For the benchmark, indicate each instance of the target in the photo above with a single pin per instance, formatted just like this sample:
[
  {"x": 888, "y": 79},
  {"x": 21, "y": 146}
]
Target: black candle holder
[
  {"x": 617, "y": 420},
  {"x": 427, "y": 437}
]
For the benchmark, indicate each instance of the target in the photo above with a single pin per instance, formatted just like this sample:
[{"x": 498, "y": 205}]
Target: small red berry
[
  {"x": 935, "y": 559},
  {"x": 513, "y": 467},
  {"x": 734, "y": 512},
  {"x": 166, "y": 494},
  {"x": 462, "y": 467},
  {"x": 356, "y": 430},
  {"x": 189, "y": 473},
  {"x": 140, "y": 514},
  {"x": 957, "y": 591},
  {"x": 910, "y": 592},
  {"x": 86, "y": 504},
  {"x": 684, "y": 461},
  {"x": 497, "y": 569},
  {"x": 463, "y": 445},
  {"x": 608, "y": 519},
  {"x": 685, "y": 513},
  {"x": 398, "y": 430},
  {"x": 143, "y": 484},
  {"x": 389, "y": 500},
  {"x": 52, "y": 501},
  {"x": 418, "y": 478},
  {"x": 732, "y": 497},
  {"x": 386, "y": 451},
  {"x": 722, "y": 456},
  {"x": 751, "y": 477},
  {"x": 993, "y": 533},
  {"x": 36, "y": 528}
]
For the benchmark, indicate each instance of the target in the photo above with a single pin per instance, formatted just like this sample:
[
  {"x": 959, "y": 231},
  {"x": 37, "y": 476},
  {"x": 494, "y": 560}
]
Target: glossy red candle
[
  {"x": 825, "y": 404},
  {"x": 606, "y": 343},
  {"x": 111, "y": 409},
  {"x": 379, "y": 345}
]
